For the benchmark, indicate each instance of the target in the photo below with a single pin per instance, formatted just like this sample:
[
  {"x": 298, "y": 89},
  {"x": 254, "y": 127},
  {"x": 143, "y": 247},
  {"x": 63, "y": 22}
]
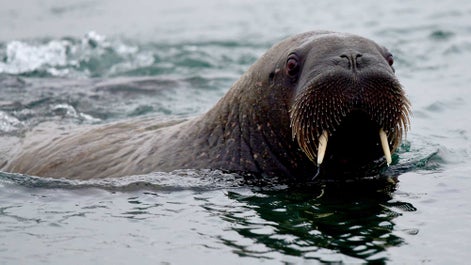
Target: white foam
[
  {"x": 8, "y": 123},
  {"x": 73, "y": 57},
  {"x": 69, "y": 111},
  {"x": 22, "y": 57}
]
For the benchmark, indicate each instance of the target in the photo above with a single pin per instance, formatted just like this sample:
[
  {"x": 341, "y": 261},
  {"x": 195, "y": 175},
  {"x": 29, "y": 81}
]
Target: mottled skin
[{"x": 250, "y": 130}]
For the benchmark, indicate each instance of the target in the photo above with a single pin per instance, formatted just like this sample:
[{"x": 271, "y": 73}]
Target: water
[{"x": 83, "y": 62}]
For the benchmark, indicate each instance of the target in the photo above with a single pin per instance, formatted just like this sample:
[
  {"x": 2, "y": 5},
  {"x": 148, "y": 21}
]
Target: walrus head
[
  {"x": 348, "y": 108},
  {"x": 315, "y": 102}
]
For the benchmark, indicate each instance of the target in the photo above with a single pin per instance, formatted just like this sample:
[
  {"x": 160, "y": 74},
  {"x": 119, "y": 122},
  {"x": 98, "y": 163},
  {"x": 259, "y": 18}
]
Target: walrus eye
[
  {"x": 292, "y": 66},
  {"x": 390, "y": 59}
]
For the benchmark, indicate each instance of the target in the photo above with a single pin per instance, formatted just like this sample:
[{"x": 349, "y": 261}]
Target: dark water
[{"x": 85, "y": 62}]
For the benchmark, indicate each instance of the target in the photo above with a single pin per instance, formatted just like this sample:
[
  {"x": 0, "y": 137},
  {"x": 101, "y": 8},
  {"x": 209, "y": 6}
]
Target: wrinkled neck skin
[{"x": 248, "y": 132}]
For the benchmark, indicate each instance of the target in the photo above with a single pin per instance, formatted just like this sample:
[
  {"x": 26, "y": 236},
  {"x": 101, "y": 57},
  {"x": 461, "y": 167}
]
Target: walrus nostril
[{"x": 352, "y": 59}]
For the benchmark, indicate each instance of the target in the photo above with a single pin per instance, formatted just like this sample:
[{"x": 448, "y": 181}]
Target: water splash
[
  {"x": 8, "y": 123},
  {"x": 95, "y": 55},
  {"x": 21, "y": 57},
  {"x": 92, "y": 55},
  {"x": 68, "y": 111}
]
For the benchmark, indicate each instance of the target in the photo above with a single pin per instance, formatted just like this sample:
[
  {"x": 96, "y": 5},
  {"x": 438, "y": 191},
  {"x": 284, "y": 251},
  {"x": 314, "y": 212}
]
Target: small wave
[
  {"x": 95, "y": 55},
  {"x": 8, "y": 123},
  {"x": 92, "y": 55},
  {"x": 22, "y": 57},
  {"x": 205, "y": 180},
  {"x": 157, "y": 181},
  {"x": 66, "y": 110}
]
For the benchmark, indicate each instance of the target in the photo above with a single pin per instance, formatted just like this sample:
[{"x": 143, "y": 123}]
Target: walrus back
[
  {"x": 8, "y": 147},
  {"x": 112, "y": 150}
]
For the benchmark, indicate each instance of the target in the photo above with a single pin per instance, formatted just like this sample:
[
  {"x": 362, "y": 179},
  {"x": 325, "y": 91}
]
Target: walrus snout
[{"x": 355, "y": 105}]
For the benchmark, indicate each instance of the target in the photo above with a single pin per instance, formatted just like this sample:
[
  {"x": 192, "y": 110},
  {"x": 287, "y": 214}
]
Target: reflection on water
[
  {"x": 355, "y": 221},
  {"x": 352, "y": 222}
]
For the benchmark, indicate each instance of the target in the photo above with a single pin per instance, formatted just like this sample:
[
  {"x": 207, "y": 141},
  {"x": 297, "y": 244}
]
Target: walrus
[{"x": 318, "y": 104}]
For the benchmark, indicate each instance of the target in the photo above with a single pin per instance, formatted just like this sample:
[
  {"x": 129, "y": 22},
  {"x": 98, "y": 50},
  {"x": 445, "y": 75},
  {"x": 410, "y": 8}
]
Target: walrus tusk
[
  {"x": 385, "y": 145},
  {"x": 322, "y": 147}
]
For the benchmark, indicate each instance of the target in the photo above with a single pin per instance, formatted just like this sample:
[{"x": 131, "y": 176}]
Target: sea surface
[{"x": 79, "y": 62}]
